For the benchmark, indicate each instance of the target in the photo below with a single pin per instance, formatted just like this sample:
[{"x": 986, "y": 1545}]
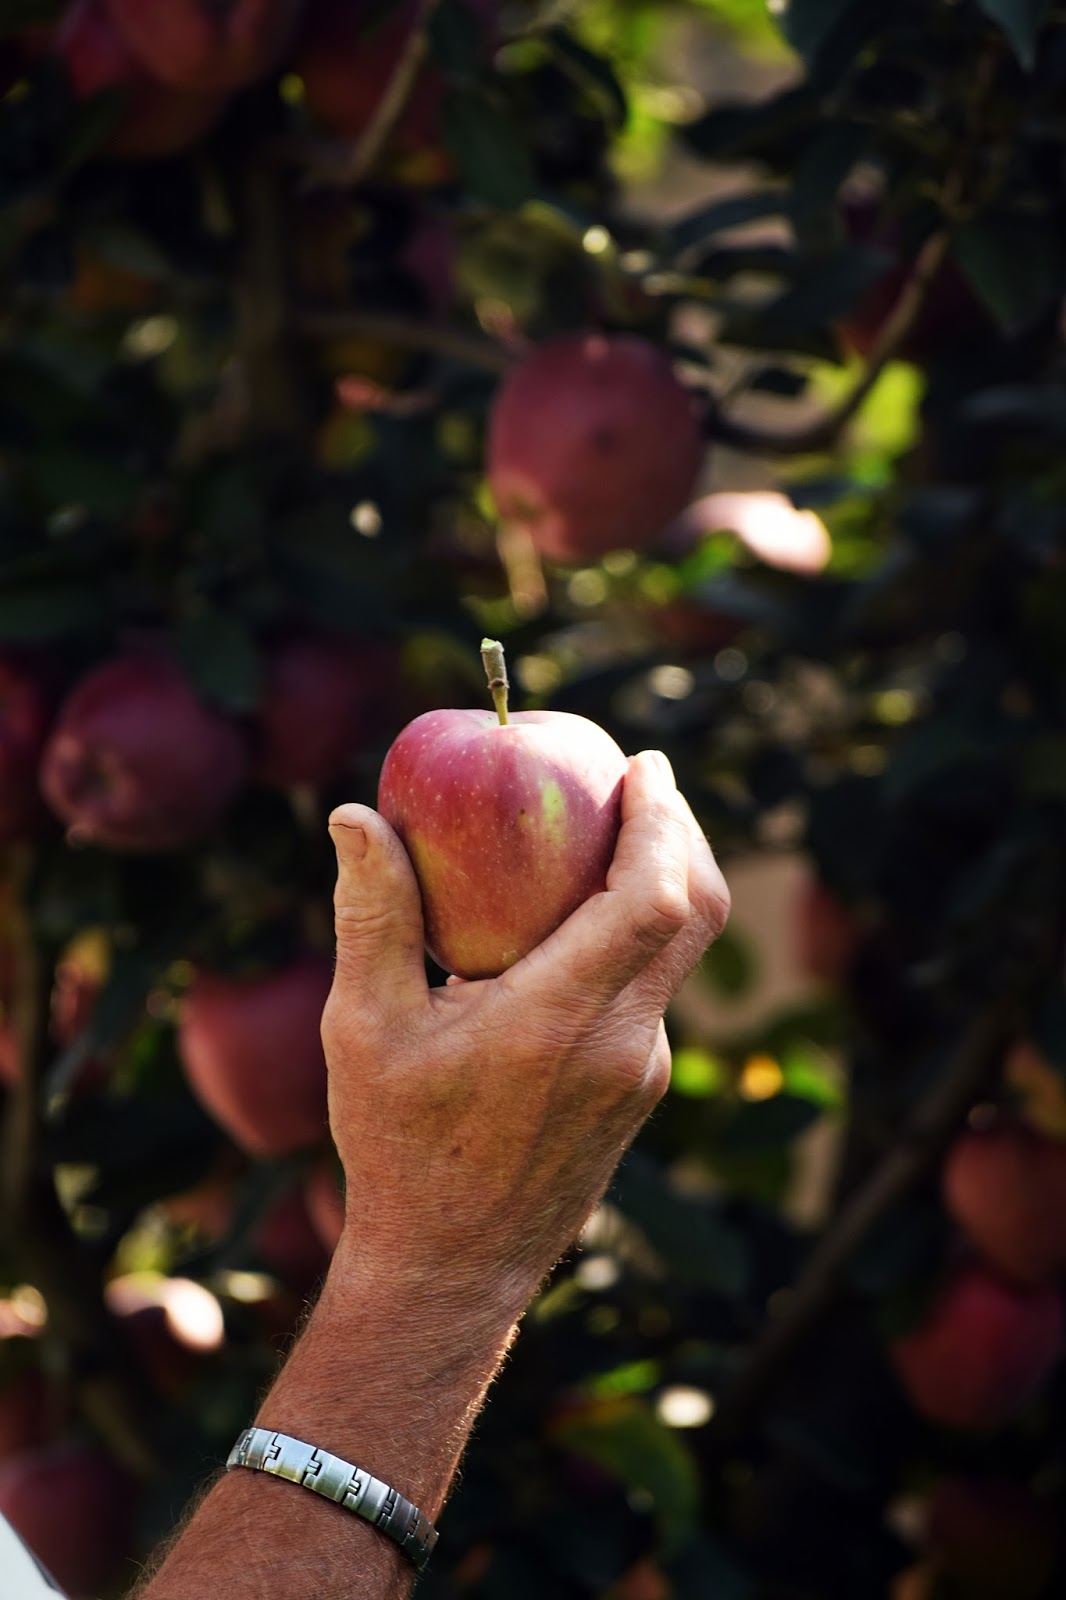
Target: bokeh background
[{"x": 258, "y": 303}]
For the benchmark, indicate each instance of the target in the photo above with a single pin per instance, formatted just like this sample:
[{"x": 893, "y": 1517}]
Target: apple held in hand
[{"x": 510, "y": 823}]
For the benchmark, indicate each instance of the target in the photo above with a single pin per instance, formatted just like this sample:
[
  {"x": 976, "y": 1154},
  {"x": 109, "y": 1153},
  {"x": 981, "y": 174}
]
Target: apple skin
[
  {"x": 157, "y": 119},
  {"x": 593, "y": 445},
  {"x": 1006, "y": 1190},
  {"x": 137, "y": 762},
  {"x": 509, "y": 828},
  {"x": 252, "y": 1053},
  {"x": 983, "y": 1351},
  {"x": 320, "y": 703},
  {"x": 951, "y": 313},
  {"x": 212, "y": 46},
  {"x": 346, "y": 56},
  {"x": 25, "y": 713},
  {"x": 73, "y": 1506},
  {"x": 23, "y": 1413},
  {"x": 991, "y": 1539}
]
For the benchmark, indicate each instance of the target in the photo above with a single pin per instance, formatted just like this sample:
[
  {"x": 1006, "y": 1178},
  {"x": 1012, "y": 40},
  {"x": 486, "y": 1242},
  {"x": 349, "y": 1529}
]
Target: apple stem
[{"x": 496, "y": 672}]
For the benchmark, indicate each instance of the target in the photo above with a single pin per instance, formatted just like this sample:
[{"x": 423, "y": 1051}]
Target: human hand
[{"x": 479, "y": 1123}]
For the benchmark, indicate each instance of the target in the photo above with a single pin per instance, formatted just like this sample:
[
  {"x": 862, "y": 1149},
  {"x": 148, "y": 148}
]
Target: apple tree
[{"x": 709, "y": 353}]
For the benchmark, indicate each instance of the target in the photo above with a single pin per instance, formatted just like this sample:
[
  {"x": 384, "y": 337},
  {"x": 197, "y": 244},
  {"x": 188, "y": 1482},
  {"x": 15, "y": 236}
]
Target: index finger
[{"x": 615, "y": 935}]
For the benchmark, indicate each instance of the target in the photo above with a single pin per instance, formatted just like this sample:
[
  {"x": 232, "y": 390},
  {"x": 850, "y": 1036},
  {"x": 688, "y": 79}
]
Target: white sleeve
[{"x": 21, "y": 1578}]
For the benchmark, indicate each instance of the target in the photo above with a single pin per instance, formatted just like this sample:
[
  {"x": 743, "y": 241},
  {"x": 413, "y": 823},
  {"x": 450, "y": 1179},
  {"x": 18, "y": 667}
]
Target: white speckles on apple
[{"x": 508, "y": 959}]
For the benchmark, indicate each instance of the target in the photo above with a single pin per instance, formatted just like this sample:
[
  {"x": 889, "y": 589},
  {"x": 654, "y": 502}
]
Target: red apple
[
  {"x": 290, "y": 1244},
  {"x": 23, "y": 1412},
  {"x": 592, "y": 445},
  {"x": 950, "y": 315},
  {"x": 991, "y": 1539},
  {"x": 1006, "y": 1190},
  {"x": 137, "y": 762},
  {"x": 156, "y": 119},
  {"x": 325, "y": 1202},
  {"x": 74, "y": 1508},
  {"x": 252, "y": 1053},
  {"x": 825, "y": 934},
  {"x": 170, "y": 1322},
  {"x": 347, "y": 55},
  {"x": 982, "y": 1352},
  {"x": 320, "y": 703},
  {"x": 212, "y": 46},
  {"x": 25, "y": 712},
  {"x": 509, "y": 827}
]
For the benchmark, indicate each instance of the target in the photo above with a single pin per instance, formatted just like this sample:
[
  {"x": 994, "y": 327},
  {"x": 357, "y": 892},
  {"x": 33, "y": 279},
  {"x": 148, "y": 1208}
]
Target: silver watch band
[{"x": 341, "y": 1482}]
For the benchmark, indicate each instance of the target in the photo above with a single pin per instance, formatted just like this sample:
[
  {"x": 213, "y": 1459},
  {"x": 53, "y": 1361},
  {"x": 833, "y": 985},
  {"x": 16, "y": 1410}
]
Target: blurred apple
[
  {"x": 324, "y": 696},
  {"x": 155, "y": 118},
  {"x": 325, "y": 1202},
  {"x": 212, "y": 46},
  {"x": 137, "y": 762},
  {"x": 593, "y": 445},
  {"x": 74, "y": 1507},
  {"x": 252, "y": 1052},
  {"x": 982, "y": 1352},
  {"x": 171, "y": 1322},
  {"x": 990, "y": 1539},
  {"x": 1005, "y": 1187}
]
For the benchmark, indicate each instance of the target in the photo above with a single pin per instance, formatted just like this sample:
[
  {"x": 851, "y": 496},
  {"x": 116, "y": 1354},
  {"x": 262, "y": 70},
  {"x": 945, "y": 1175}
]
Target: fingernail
[
  {"x": 355, "y": 842},
  {"x": 662, "y": 764}
]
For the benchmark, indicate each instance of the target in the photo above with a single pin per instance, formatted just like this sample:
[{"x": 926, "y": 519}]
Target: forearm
[{"x": 389, "y": 1379}]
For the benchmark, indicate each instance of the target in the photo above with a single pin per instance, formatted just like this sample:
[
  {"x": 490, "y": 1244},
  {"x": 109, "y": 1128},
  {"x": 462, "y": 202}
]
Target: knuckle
[{"x": 663, "y": 912}]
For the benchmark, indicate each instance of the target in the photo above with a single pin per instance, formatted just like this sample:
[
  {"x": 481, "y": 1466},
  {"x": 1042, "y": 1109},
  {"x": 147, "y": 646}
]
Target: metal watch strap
[{"x": 340, "y": 1481}]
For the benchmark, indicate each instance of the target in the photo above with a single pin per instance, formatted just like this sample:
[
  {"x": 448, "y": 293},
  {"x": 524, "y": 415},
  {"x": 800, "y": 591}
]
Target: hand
[{"x": 479, "y": 1123}]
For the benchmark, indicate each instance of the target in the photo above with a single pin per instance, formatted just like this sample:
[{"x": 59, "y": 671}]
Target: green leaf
[
  {"x": 88, "y": 480},
  {"x": 699, "y": 1247},
  {"x": 767, "y": 1125},
  {"x": 222, "y": 660},
  {"x": 1020, "y": 21},
  {"x": 48, "y": 612},
  {"x": 490, "y": 154},
  {"x": 1015, "y": 263},
  {"x": 626, "y": 1439}
]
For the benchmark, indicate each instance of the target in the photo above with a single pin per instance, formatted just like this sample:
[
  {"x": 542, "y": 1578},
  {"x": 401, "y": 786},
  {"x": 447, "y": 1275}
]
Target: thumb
[{"x": 378, "y": 913}]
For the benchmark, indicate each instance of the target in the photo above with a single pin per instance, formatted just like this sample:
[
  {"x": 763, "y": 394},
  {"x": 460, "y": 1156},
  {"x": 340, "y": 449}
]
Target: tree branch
[
  {"x": 47, "y": 1249},
  {"x": 823, "y": 431},
  {"x": 972, "y": 1067},
  {"x": 406, "y": 332},
  {"x": 351, "y": 165}
]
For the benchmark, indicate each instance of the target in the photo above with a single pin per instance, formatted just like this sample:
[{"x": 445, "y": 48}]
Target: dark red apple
[
  {"x": 137, "y": 762},
  {"x": 156, "y": 119},
  {"x": 252, "y": 1053},
  {"x": 23, "y": 1412},
  {"x": 325, "y": 1202},
  {"x": 950, "y": 315},
  {"x": 825, "y": 934},
  {"x": 991, "y": 1539},
  {"x": 74, "y": 1507},
  {"x": 983, "y": 1351},
  {"x": 347, "y": 55},
  {"x": 1006, "y": 1189},
  {"x": 509, "y": 826},
  {"x": 25, "y": 712},
  {"x": 322, "y": 700},
  {"x": 171, "y": 1323},
  {"x": 211, "y": 46},
  {"x": 290, "y": 1244},
  {"x": 592, "y": 445}
]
